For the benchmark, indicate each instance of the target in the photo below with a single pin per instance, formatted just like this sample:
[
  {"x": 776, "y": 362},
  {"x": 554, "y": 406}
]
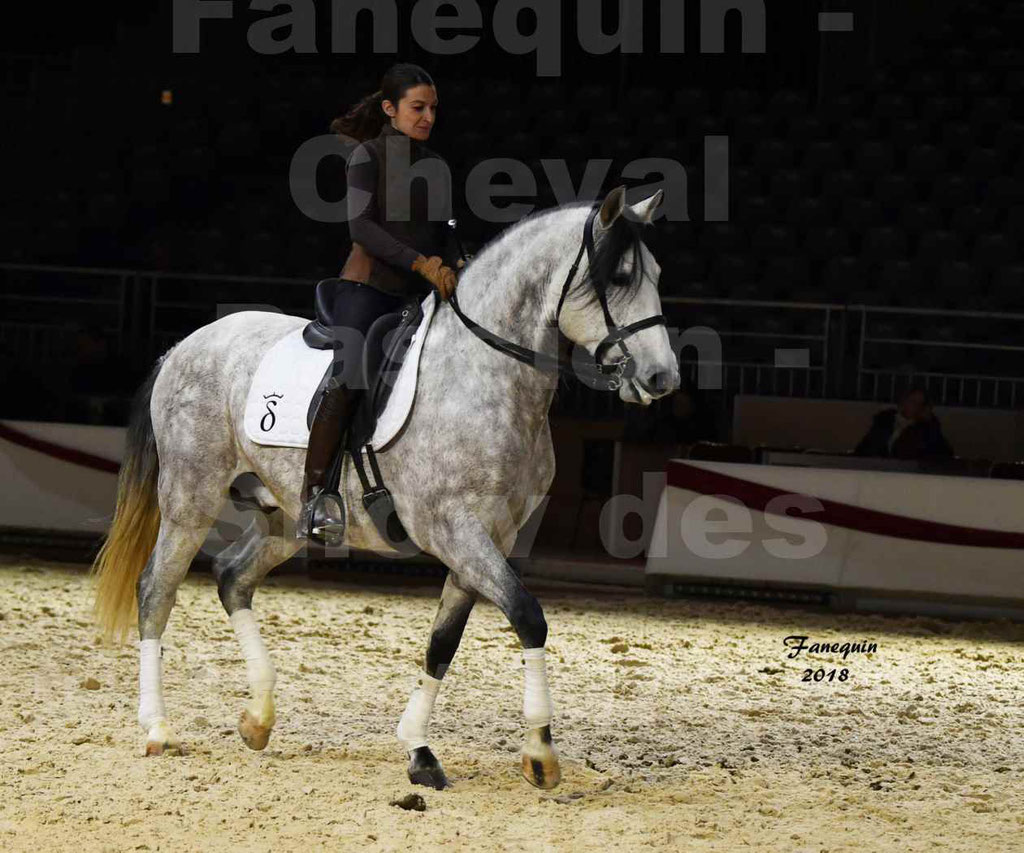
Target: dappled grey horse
[{"x": 472, "y": 462}]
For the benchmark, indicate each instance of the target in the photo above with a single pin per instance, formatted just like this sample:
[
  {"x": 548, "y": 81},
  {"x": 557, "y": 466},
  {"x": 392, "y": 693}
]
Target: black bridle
[{"x": 597, "y": 375}]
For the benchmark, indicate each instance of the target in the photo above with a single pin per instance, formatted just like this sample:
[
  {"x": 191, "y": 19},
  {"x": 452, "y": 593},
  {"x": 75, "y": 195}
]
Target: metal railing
[
  {"x": 177, "y": 307},
  {"x": 41, "y": 301},
  {"x": 792, "y": 359},
  {"x": 729, "y": 346},
  {"x": 895, "y": 354},
  {"x": 143, "y": 311}
]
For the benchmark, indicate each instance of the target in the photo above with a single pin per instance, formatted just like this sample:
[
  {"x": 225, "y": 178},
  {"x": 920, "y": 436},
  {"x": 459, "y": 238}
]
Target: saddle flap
[{"x": 387, "y": 343}]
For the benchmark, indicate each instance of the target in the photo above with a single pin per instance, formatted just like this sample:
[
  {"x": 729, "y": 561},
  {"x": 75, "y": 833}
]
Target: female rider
[{"x": 397, "y": 254}]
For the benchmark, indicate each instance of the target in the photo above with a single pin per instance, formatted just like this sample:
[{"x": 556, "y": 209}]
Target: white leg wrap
[
  {"x": 258, "y": 667},
  {"x": 151, "y": 688},
  {"x": 536, "y": 698},
  {"x": 412, "y": 728}
]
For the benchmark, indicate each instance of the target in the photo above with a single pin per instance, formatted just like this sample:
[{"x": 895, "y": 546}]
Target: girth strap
[{"x": 380, "y": 505}]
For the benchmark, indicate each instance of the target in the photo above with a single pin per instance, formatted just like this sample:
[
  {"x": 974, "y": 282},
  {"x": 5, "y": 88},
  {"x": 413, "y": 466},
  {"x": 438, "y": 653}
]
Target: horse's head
[{"x": 621, "y": 275}]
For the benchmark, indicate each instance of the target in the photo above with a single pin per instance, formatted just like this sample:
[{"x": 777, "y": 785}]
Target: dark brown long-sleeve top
[{"x": 397, "y": 223}]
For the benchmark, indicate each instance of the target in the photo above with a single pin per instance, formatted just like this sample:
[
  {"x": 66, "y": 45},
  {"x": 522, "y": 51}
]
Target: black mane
[{"x": 624, "y": 235}]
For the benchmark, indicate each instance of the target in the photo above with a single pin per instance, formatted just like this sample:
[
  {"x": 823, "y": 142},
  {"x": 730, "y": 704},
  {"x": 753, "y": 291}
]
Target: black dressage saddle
[{"x": 387, "y": 342}]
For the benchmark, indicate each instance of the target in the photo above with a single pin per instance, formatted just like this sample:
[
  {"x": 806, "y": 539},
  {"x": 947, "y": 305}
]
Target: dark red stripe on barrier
[
  {"x": 67, "y": 454},
  {"x": 756, "y": 496}
]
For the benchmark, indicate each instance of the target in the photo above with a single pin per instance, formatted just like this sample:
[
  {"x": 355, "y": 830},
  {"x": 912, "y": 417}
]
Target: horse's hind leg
[
  {"x": 465, "y": 546},
  {"x": 172, "y": 555},
  {"x": 445, "y": 636},
  {"x": 239, "y": 570}
]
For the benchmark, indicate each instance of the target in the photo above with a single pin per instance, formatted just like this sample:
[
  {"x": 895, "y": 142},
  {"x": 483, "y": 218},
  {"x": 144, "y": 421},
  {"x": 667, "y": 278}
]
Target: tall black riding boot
[{"x": 323, "y": 513}]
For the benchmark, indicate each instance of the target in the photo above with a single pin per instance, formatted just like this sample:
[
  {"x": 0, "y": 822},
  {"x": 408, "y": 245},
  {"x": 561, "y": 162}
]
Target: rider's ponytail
[{"x": 366, "y": 118}]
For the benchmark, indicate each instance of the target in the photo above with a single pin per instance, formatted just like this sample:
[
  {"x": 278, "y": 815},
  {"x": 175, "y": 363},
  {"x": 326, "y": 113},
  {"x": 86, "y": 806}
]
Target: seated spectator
[{"x": 908, "y": 431}]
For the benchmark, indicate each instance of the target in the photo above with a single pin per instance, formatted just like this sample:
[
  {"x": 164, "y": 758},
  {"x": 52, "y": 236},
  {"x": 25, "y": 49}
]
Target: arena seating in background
[{"x": 907, "y": 192}]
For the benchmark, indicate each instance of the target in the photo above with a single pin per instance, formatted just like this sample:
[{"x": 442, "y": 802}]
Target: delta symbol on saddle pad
[{"x": 289, "y": 374}]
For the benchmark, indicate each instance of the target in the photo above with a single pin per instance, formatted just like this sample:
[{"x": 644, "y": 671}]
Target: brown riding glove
[{"x": 434, "y": 271}]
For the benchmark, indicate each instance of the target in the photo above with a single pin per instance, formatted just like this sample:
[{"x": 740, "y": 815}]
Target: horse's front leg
[
  {"x": 445, "y": 636},
  {"x": 480, "y": 566}
]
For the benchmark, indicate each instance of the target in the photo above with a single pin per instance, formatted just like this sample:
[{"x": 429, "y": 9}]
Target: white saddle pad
[{"x": 288, "y": 376}]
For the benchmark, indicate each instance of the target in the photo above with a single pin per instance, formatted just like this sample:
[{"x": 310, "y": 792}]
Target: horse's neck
[{"x": 506, "y": 296}]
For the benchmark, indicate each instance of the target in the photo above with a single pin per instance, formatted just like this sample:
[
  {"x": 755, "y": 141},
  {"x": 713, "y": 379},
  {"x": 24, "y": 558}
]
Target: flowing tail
[{"x": 135, "y": 526}]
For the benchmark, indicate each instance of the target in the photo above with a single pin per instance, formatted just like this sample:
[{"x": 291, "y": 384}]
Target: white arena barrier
[
  {"x": 62, "y": 478},
  {"x": 890, "y": 533}
]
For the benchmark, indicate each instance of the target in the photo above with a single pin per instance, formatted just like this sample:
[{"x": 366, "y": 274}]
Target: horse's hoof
[
  {"x": 163, "y": 748},
  {"x": 425, "y": 769},
  {"x": 255, "y": 735},
  {"x": 162, "y": 740},
  {"x": 540, "y": 760}
]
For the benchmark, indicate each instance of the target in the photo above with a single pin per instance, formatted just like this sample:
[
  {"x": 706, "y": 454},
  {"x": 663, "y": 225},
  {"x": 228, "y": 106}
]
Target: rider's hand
[
  {"x": 434, "y": 271},
  {"x": 449, "y": 281},
  {"x": 429, "y": 268}
]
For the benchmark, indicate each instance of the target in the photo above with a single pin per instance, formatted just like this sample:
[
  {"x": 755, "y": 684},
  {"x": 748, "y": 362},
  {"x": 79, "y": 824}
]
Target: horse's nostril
[{"x": 659, "y": 382}]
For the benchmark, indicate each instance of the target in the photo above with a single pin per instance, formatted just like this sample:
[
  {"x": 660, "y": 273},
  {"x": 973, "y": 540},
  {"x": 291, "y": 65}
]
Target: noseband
[{"x": 597, "y": 375}]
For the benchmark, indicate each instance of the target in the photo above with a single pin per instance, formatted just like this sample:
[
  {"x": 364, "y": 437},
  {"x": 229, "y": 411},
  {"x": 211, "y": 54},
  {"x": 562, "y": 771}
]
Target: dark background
[{"x": 878, "y": 167}]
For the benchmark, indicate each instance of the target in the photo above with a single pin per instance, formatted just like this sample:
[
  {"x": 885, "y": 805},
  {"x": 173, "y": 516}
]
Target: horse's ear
[
  {"x": 611, "y": 208},
  {"x": 643, "y": 211}
]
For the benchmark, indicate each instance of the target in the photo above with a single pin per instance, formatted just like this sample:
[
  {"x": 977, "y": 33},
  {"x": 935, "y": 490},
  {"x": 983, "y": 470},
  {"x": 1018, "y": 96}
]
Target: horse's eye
[{"x": 621, "y": 279}]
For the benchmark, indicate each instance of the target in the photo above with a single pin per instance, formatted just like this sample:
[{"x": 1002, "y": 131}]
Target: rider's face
[{"x": 416, "y": 113}]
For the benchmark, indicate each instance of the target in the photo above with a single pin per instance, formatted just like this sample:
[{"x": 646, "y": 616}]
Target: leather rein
[{"x": 597, "y": 375}]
